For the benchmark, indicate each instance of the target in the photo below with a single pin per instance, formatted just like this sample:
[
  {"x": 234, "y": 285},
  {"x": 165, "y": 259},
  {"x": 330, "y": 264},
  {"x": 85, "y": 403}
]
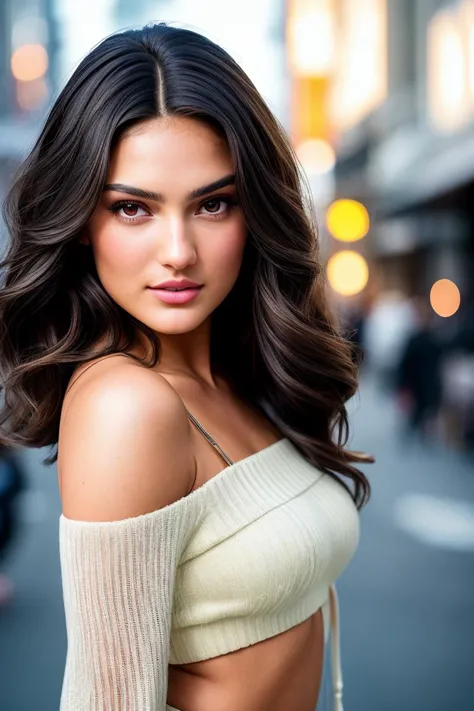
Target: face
[{"x": 169, "y": 212}]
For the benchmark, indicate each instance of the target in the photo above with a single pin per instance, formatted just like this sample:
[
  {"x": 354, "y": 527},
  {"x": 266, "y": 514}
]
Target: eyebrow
[{"x": 193, "y": 195}]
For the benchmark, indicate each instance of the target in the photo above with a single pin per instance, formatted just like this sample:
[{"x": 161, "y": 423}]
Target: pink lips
[{"x": 176, "y": 292}]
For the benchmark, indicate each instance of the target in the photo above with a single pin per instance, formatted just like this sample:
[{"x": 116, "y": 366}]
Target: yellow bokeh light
[
  {"x": 347, "y": 220},
  {"x": 29, "y": 62},
  {"x": 348, "y": 272},
  {"x": 445, "y": 298}
]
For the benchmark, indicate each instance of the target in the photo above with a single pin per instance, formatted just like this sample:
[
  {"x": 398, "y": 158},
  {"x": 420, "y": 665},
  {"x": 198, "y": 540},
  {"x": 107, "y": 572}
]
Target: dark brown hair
[{"x": 272, "y": 337}]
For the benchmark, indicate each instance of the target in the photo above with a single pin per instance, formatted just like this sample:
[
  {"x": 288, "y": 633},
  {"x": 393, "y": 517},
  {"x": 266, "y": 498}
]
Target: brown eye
[
  {"x": 213, "y": 205},
  {"x": 130, "y": 209},
  {"x": 127, "y": 210},
  {"x": 217, "y": 207}
]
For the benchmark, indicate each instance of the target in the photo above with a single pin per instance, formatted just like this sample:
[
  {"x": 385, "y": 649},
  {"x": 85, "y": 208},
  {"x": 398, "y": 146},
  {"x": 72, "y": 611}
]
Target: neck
[{"x": 187, "y": 354}]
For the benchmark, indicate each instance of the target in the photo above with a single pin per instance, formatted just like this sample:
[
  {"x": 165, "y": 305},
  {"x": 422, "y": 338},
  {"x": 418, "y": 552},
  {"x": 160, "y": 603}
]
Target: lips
[
  {"x": 176, "y": 295},
  {"x": 170, "y": 288},
  {"x": 177, "y": 284}
]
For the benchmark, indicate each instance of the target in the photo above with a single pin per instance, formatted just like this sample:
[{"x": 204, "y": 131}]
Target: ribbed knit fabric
[{"x": 248, "y": 555}]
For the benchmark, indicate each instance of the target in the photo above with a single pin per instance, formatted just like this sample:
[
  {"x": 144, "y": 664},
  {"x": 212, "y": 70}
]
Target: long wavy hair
[{"x": 273, "y": 337}]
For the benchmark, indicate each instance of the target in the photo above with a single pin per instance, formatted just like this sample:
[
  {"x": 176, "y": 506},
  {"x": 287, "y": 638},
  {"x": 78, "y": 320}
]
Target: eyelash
[{"x": 226, "y": 199}]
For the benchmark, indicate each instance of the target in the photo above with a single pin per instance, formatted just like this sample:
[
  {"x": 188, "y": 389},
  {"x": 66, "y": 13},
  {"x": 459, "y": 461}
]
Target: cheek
[
  {"x": 224, "y": 257},
  {"x": 116, "y": 254}
]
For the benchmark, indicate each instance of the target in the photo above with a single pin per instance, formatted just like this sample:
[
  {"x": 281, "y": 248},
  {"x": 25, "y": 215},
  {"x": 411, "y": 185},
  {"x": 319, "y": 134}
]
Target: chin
[{"x": 175, "y": 323}]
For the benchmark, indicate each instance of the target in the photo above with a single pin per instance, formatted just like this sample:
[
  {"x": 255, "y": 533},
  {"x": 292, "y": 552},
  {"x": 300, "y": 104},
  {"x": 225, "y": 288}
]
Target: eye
[
  {"x": 218, "y": 206},
  {"x": 130, "y": 210}
]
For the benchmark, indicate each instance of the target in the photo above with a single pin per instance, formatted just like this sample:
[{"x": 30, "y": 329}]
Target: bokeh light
[
  {"x": 347, "y": 220},
  {"x": 29, "y": 62},
  {"x": 316, "y": 156},
  {"x": 31, "y": 94},
  {"x": 347, "y": 272},
  {"x": 445, "y": 298}
]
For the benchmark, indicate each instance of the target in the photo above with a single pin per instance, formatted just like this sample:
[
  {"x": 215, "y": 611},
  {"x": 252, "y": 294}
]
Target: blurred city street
[
  {"x": 377, "y": 99},
  {"x": 406, "y": 600}
]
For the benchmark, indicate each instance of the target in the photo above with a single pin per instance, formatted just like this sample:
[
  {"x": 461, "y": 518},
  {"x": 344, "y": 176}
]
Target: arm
[{"x": 125, "y": 457}]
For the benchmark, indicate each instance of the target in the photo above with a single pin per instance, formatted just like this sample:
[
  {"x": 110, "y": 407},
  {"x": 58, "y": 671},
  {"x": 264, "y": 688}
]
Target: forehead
[{"x": 170, "y": 152}]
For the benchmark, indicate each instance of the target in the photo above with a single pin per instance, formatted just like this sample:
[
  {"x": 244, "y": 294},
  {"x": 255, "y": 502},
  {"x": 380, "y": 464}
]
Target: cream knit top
[{"x": 249, "y": 554}]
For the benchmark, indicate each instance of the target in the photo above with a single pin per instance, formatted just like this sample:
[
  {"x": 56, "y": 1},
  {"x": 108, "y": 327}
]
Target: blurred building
[
  {"x": 402, "y": 107},
  {"x": 28, "y": 75},
  {"x": 382, "y": 110}
]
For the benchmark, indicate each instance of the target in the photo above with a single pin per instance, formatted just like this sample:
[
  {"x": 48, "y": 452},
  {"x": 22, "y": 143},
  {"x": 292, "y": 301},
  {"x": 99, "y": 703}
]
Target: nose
[{"x": 177, "y": 246}]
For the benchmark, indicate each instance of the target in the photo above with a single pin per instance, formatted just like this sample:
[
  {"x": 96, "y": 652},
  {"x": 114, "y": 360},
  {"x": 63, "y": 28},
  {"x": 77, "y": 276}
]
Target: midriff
[{"x": 280, "y": 673}]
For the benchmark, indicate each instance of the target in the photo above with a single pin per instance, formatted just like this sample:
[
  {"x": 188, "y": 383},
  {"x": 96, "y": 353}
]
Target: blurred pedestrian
[
  {"x": 458, "y": 382},
  {"x": 12, "y": 483},
  {"x": 387, "y": 326},
  {"x": 356, "y": 319},
  {"x": 418, "y": 379}
]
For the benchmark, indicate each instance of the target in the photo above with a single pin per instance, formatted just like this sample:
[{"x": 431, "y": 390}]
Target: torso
[
  {"x": 277, "y": 674},
  {"x": 282, "y": 672}
]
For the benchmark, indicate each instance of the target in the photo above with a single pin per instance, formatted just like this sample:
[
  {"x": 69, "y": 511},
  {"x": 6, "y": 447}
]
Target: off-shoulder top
[{"x": 249, "y": 554}]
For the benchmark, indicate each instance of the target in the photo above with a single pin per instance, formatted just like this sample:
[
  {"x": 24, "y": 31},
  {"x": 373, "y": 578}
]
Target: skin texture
[
  {"x": 175, "y": 238},
  {"x": 126, "y": 446}
]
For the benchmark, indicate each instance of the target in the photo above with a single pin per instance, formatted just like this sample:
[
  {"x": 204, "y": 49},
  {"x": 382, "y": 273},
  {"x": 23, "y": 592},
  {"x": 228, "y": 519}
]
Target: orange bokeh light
[
  {"x": 29, "y": 62},
  {"x": 445, "y": 298}
]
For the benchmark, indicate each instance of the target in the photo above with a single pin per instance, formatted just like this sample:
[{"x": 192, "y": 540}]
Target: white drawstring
[{"x": 335, "y": 649}]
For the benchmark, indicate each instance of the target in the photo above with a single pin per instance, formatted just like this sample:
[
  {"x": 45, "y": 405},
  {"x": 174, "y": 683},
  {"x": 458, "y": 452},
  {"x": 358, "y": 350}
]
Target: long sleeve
[{"x": 118, "y": 580}]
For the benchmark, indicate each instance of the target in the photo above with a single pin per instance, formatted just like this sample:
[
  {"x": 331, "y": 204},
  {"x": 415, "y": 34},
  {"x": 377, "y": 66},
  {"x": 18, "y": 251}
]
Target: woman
[{"x": 163, "y": 286}]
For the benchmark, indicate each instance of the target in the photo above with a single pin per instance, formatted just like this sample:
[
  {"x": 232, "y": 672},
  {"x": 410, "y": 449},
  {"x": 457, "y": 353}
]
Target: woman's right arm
[{"x": 125, "y": 458}]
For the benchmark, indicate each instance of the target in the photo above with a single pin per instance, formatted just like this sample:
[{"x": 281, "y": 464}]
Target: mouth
[
  {"x": 170, "y": 288},
  {"x": 176, "y": 295}
]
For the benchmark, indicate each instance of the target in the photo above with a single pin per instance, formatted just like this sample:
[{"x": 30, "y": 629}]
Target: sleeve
[{"x": 118, "y": 580}]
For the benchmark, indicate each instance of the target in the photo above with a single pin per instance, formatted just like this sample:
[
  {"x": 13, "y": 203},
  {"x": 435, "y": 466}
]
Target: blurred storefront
[
  {"x": 403, "y": 110},
  {"x": 382, "y": 111}
]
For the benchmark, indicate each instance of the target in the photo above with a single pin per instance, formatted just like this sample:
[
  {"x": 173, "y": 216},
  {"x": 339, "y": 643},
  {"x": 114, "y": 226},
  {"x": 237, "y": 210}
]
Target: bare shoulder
[{"x": 124, "y": 443}]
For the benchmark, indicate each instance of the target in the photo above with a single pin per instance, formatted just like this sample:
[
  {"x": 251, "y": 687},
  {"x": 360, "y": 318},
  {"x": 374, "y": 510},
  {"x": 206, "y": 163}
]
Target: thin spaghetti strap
[
  {"x": 201, "y": 429},
  {"x": 209, "y": 438}
]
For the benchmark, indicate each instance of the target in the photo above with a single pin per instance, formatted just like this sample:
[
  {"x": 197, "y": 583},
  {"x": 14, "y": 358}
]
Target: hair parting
[{"x": 273, "y": 337}]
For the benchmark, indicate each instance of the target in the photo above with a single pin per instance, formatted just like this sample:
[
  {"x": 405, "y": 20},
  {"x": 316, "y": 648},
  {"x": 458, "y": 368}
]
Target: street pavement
[{"x": 406, "y": 599}]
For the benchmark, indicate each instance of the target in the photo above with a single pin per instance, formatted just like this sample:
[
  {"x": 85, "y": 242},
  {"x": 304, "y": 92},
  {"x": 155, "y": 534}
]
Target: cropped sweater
[{"x": 249, "y": 554}]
